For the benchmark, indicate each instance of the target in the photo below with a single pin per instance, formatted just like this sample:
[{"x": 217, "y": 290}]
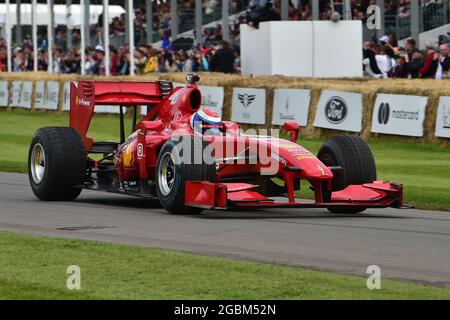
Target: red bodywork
[{"x": 168, "y": 115}]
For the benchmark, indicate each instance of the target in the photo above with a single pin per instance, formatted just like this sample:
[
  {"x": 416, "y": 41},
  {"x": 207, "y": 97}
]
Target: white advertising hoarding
[
  {"x": 16, "y": 91},
  {"x": 443, "y": 118},
  {"x": 52, "y": 95},
  {"x": 339, "y": 110},
  {"x": 291, "y": 105},
  {"x": 399, "y": 114},
  {"x": 249, "y": 105},
  {"x": 25, "y": 97},
  {"x": 212, "y": 98},
  {"x": 178, "y": 84},
  {"x": 39, "y": 95},
  {"x": 66, "y": 96},
  {"x": 108, "y": 109},
  {"x": 4, "y": 93}
]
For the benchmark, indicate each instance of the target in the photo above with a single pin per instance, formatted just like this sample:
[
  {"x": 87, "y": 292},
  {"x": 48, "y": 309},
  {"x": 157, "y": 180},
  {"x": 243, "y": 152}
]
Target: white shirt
[
  {"x": 383, "y": 63},
  {"x": 439, "y": 69}
]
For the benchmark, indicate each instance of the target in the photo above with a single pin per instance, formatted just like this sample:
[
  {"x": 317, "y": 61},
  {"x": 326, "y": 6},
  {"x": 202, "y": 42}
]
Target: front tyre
[
  {"x": 56, "y": 164},
  {"x": 354, "y": 156},
  {"x": 187, "y": 160}
]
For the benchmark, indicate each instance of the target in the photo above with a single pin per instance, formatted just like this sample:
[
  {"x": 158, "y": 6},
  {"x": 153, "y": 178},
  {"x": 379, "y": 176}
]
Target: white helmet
[{"x": 206, "y": 122}]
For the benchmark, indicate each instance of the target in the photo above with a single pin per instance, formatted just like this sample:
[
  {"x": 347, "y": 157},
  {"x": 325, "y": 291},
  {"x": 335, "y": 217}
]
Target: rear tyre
[
  {"x": 56, "y": 164},
  {"x": 354, "y": 156},
  {"x": 179, "y": 162}
]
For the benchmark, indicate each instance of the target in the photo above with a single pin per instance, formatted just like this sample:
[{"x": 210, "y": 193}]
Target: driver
[{"x": 206, "y": 122}]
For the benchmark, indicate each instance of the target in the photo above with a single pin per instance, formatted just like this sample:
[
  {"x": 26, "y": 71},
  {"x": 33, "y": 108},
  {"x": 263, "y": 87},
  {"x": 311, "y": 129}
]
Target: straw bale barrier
[{"x": 431, "y": 88}]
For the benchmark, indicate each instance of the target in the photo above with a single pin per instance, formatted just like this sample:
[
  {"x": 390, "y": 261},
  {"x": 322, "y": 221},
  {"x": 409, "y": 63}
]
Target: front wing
[{"x": 379, "y": 194}]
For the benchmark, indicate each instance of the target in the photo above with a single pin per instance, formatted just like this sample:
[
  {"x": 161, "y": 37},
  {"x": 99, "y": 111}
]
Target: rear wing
[{"x": 88, "y": 94}]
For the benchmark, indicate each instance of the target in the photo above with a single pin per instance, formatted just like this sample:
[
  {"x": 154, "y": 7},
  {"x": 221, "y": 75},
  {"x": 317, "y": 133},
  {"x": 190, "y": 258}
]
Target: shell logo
[
  {"x": 128, "y": 156},
  {"x": 322, "y": 171}
]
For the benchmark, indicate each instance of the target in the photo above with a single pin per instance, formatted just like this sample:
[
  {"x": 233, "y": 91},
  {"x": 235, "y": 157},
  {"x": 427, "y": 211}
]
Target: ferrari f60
[{"x": 188, "y": 158}]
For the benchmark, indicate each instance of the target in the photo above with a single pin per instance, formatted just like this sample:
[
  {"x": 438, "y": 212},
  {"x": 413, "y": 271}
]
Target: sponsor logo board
[
  {"x": 399, "y": 115},
  {"x": 339, "y": 111},
  {"x": 249, "y": 105},
  {"x": 4, "y": 94},
  {"x": 443, "y": 118},
  {"x": 291, "y": 105}
]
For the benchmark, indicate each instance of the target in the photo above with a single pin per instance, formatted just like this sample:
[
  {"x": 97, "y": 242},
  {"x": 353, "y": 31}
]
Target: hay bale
[{"x": 431, "y": 88}]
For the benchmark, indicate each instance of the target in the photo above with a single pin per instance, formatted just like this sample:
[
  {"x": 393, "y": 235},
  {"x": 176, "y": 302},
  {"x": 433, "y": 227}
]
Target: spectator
[
  {"x": 259, "y": 11},
  {"x": 72, "y": 62},
  {"x": 28, "y": 57},
  {"x": 237, "y": 62},
  {"x": 18, "y": 60},
  {"x": 430, "y": 63},
  {"x": 58, "y": 63},
  {"x": 124, "y": 66},
  {"x": 399, "y": 69},
  {"x": 140, "y": 61},
  {"x": 410, "y": 48},
  {"x": 414, "y": 64},
  {"x": 42, "y": 60},
  {"x": 383, "y": 61},
  {"x": 90, "y": 65},
  {"x": 370, "y": 62},
  {"x": 388, "y": 46},
  {"x": 443, "y": 60},
  {"x": 99, "y": 56},
  {"x": 152, "y": 63},
  {"x": 3, "y": 59},
  {"x": 223, "y": 60},
  {"x": 115, "y": 61},
  {"x": 166, "y": 45}
]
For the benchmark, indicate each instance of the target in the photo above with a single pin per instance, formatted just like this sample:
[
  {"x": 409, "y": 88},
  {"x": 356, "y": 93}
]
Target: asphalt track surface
[{"x": 406, "y": 244}]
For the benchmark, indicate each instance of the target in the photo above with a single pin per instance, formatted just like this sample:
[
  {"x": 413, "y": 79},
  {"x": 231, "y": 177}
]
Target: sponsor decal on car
[
  {"x": 279, "y": 158},
  {"x": 128, "y": 156},
  {"x": 322, "y": 171},
  {"x": 82, "y": 102},
  {"x": 140, "y": 150},
  {"x": 174, "y": 98},
  {"x": 177, "y": 116}
]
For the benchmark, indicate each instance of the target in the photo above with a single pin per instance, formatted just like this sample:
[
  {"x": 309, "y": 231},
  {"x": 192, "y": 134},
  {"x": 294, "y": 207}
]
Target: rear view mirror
[{"x": 293, "y": 128}]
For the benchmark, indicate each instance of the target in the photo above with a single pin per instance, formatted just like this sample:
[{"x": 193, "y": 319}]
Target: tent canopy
[{"x": 60, "y": 12}]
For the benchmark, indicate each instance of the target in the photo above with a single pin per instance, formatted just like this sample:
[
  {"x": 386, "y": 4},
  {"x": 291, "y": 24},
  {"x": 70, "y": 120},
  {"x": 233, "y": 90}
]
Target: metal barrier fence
[{"x": 432, "y": 15}]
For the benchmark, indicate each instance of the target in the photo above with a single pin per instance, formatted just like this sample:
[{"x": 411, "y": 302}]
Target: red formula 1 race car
[{"x": 191, "y": 160}]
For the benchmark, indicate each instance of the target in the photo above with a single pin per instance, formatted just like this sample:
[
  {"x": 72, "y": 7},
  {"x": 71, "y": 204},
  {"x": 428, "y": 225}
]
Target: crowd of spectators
[
  {"x": 385, "y": 59},
  {"x": 213, "y": 54}
]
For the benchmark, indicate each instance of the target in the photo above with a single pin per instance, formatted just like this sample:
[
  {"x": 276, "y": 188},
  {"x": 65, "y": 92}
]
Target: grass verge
[
  {"x": 35, "y": 268},
  {"x": 423, "y": 169}
]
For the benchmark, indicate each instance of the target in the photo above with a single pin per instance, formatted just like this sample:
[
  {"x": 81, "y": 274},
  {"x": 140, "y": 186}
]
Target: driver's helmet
[{"x": 206, "y": 122}]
